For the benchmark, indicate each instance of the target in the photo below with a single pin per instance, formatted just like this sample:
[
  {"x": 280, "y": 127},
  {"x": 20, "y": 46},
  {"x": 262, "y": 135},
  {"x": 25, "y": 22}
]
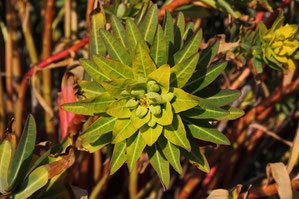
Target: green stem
[{"x": 133, "y": 182}]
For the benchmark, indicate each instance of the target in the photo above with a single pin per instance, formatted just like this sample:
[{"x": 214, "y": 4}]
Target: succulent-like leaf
[
  {"x": 115, "y": 49},
  {"x": 207, "y": 55},
  {"x": 5, "y": 158},
  {"x": 97, "y": 21},
  {"x": 159, "y": 163},
  {"x": 143, "y": 64},
  {"x": 179, "y": 28},
  {"x": 116, "y": 86},
  {"x": 166, "y": 117},
  {"x": 135, "y": 146},
  {"x": 162, "y": 76},
  {"x": 113, "y": 69},
  {"x": 205, "y": 110},
  {"x": 149, "y": 24},
  {"x": 189, "y": 48},
  {"x": 202, "y": 130},
  {"x": 171, "y": 152},
  {"x": 182, "y": 72},
  {"x": 78, "y": 108},
  {"x": 122, "y": 130},
  {"x": 23, "y": 154},
  {"x": 176, "y": 133},
  {"x": 118, "y": 157},
  {"x": 93, "y": 70},
  {"x": 141, "y": 13},
  {"x": 119, "y": 109},
  {"x": 183, "y": 101},
  {"x": 219, "y": 97},
  {"x": 188, "y": 32},
  {"x": 98, "y": 144},
  {"x": 151, "y": 134},
  {"x": 134, "y": 36},
  {"x": 119, "y": 31},
  {"x": 96, "y": 104},
  {"x": 139, "y": 122},
  {"x": 234, "y": 113},
  {"x": 90, "y": 88},
  {"x": 35, "y": 181},
  {"x": 158, "y": 49},
  {"x": 169, "y": 34}
]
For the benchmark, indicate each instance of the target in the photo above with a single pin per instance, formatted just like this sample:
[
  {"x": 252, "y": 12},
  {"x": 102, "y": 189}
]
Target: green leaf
[
  {"x": 115, "y": 49},
  {"x": 176, "y": 133},
  {"x": 139, "y": 122},
  {"x": 90, "y": 88},
  {"x": 134, "y": 36},
  {"x": 204, "y": 77},
  {"x": 203, "y": 130},
  {"x": 122, "y": 130},
  {"x": 179, "y": 28},
  {"x": 234, "y": 113},
  {"x": 151, "y": 134},
  {"x": 102, "y": 125},
  {"x": 119, "y": 109},
  {"x": 118, "y": 157},
  {"x": 113, "y": 69},
  {"x": 116, "y": 86},
  {"x": 205, "y": 110},
  {"x": 97, "y": 21},
  {"x": 97, "y": 104},
  {"x": 158, "y": 49},
  {"x": 78, "y": 108},
  {"x": 159, "y": 163},
  {"x": 183, "y": 101},
  {"x": 207, "y": 55},
  {"x": 171, "y": 152},
  {"x": 162, "y": 76},
  {"x": 141, "y": 12},
  {"x": 119, "y": 31},
  {"x": 149, "y": 24},
  {"x": 23, "y": 154},
  {"x": 189, "y": 49},
  {"x": 196, "y": 158},
  {"x": 5, "y": 158},
  {"x": 168, "y": 33},
  {"x": 98, "y": 144},
  {"x": 143, "y": 64},
  {"x": 35, "y": 181},
  {"x": 166, "y": 117},
  {"x": 188, "y": 32},
  {"x": 182, "y": 72},
  {"x": 93, "y": 70},
  {"x": 135, "y": 146},
  {"x": 219, "y": 97}
]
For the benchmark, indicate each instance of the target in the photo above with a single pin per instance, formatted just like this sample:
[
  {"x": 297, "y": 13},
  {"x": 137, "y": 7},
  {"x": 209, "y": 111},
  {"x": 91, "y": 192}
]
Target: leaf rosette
[{"x": 150, "y": 93}]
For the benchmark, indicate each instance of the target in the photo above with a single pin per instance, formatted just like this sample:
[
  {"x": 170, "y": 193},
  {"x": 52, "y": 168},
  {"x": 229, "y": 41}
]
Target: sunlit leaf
[
  {"x": 158, "y": 49},
  {"x": 139, "y": 122},
  {"x": 93, "y": 70},
  {"x": 96, "y": 104},
  {"x": 188, "y": 32},
  {"x": 119, "y": 109},
  {"x": 234, "y": 113},
  {"x": 116, "y": 86},
  {"x": 149, "y": 24},
  {"x": 135, "y": 146},
  {"x": 98, "y": 144},
  {"x": 219, "y": 97},
  {"x": 97, "y": 21},
  {"x": 169, "y": 34},
  {"x": 165, "y": 118},
  {"x": 118, "y": 157},
  {"x": 122, "y": 130},
  {"x": 183, "y": 101},
  {"x": 5, "y": 158},
  {"x": 119, "y": 31},
  {"x": 90, "y": 88},
  {"x": 151, "y": 134},
  {"x": 162, "y": 76},
  {"x": 179, "y": 28}
]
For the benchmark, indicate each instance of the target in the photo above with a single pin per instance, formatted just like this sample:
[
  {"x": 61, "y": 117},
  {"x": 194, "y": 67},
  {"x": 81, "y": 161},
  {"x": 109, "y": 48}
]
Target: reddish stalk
[
  {"x": 245, "y": 73},
  {"x": 171, "y": 7}
]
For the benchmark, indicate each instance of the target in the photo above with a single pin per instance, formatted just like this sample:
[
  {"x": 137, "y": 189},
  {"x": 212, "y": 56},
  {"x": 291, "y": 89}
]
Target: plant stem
[
  {"x": 147, "y": 187},
  {"x": 97, "y": 162},
  {"x": 2, "y": 110},
  {"x": 133, "y": 182},
  {"x": 67, "y": 19}
]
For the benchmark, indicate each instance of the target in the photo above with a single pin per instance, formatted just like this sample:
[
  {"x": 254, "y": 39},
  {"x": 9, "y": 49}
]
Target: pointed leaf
[
  {"x": 96, "y": 104},
  {"x": 202, "y": 130},
  {"x": 143, "y": 64},
  {"x": 134, "y": 36},
  {"x": 101, "y": 126},
  {"x": 207, "y": 55},
  {"x": 113, "y": 69},
  {"x": 5, "y": 158},
  {"x": 168, "y": 33},
  {"x": 197, "y": 158},
  {"x": 141, "y": 12},
  {"x": 158, "y": 49},
  {"x": 115, "y": 49},
  {"x": 171, "y": 152},
  {"x": 35, "y": 181},
  {"x": 234, "y": 113},
  {"x": 151, "y": 134},
  {"x": 93, "y": 70},
  {"x": 23, "y": 154},
  {"x": 182, "y": 72},
  {"x": 205, "y": 110},
  {"x": 149, "y": 24},
  {"x": 189, "y": 48},
  {"x": 122, "y": 130},
  {"x": 119, "y": 109},
  {"x": 97, "y": 21},
  {"x": 188, "y": 32},
  {"x": 98, "y": 144},
  {"x": 77, "y": 108},
  {"x": 159, "y": 163},
  {"x": 219, "y": 97},
  {"x": 183, "y": 101},
  {"x": 179, "y": 28},
  {"x": 118, "y": 157},
  {"x": 176, "y": 133},
  {"x": 119, "y": 31},
  {"x": 135, "y": 146},
  {"x": 116, "y": 86},
  {"x": 139, "y": 122},
  {"x": 90, "y": 88},
  {"x": 162, "y": 76},
  {"x": 166, "y": 117},
  {"x": 204, "y": 77}
]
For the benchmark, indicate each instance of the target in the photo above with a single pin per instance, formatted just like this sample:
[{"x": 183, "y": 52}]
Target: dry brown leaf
[
  {"x": 219, "y": 194},
  {"x": 295, "y": 152},
  {"x": 281, "y": 177}
]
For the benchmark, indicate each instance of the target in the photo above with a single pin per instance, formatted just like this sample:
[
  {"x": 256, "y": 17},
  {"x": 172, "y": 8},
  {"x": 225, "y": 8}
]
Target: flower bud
[
  {"x": 138, "y": 93},
  {"x": 155, "y": 98},
  {"x": 168, "y": 97},
  {"x": 152, "y": 122},
  {"x": 121, "y": 10},
  {"x": 141, "y": 111},
  {"x": 152, "y": 86},
  {"x": 132, "y": 103},
  {"x": 155, "y": 109},
  {"x": 125, "y": 93}
]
